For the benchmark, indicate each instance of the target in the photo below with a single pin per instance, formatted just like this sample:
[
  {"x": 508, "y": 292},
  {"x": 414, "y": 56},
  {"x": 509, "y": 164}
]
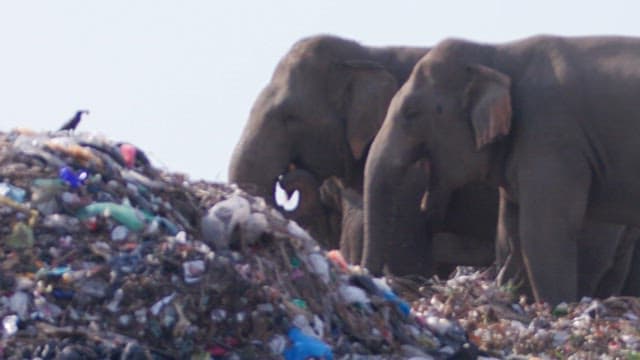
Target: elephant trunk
[
  {"x": 434, "y": 205},
  {"x": 396, "y": 231},
  {"x": 259, "y": 158},
  {"x": 377, "y": 213}
]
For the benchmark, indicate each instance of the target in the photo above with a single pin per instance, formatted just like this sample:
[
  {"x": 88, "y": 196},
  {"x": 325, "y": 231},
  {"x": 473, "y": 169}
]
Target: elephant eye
[{"x": 439, "y": 109}]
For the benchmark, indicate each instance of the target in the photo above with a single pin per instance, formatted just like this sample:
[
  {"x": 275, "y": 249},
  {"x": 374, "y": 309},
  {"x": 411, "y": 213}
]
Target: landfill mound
[{"x": 106, "y": 256}]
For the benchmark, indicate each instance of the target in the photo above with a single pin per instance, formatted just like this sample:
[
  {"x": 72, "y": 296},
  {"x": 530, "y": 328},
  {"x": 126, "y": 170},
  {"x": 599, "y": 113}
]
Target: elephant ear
[
  {"x": 364, "y": 90},
  {"x": 489, "y": 102}
]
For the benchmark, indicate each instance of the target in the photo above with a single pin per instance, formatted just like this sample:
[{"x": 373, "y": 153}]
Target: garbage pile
[
  {"x": 105, "y": 256},
  {"x": 506, "y": 326}
]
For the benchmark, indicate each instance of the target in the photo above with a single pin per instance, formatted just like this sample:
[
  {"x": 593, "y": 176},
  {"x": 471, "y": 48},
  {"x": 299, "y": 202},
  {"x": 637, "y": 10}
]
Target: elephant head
[
  {"x": 322, "y": 108},
  {"x": 452, "y": 111}
]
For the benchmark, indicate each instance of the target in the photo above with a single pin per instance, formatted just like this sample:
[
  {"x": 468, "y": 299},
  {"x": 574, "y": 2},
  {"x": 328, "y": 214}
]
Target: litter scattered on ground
[
  {"x": 504, "y": 325},
  {"x": 105, "y": 256}
]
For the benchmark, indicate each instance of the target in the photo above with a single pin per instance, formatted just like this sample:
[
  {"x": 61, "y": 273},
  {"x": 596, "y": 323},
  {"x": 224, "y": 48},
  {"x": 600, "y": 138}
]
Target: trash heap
[
  {"x": 105, "y": 256},
  {"x": 506, "y": 326}
]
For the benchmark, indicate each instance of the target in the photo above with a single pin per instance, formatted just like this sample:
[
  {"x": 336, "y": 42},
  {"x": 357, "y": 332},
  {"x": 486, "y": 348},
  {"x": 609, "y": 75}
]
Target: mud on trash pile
[{"x": 105, "y": 256}]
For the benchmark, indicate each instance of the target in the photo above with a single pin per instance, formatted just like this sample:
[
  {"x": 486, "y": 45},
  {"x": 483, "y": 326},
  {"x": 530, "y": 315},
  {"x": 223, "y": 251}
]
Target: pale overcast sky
[{"x": 178, "y": 78}]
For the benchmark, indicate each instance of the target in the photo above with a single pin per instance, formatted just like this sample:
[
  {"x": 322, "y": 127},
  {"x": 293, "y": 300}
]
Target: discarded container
[
  {"x": 128, "y": 216},
  {"x": 12, "y": 192},
  {"x": 305, "y": 346}
]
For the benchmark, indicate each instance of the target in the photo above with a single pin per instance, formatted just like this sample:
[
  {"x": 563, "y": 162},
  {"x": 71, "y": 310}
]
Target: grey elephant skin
[
  {"x": 348, "y": 203},
  {"x": 333, "y": 214},
  {"x": 323, "y": 106},
  {"x": 552, "y": 121},
  {"x": 321, "y": 219},
  {"x": 608, "y": 262},
  {"x": 449, "y": 249}
]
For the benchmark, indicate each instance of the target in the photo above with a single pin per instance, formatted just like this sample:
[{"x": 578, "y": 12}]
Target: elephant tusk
[{"x": 424, "y": 202}]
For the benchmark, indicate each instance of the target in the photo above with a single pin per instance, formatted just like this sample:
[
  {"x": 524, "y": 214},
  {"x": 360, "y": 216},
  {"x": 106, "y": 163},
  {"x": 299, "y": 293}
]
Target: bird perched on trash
[{"x": 74, "y": 121}]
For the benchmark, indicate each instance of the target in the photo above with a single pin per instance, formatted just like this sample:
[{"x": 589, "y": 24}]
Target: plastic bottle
[
  {"x": 12, "y": 192},
  {"x": 133, "y": 219}
]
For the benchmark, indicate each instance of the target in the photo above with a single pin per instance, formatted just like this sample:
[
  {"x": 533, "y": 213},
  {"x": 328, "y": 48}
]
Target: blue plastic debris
[
  {"x": 62, "y": 294},
  {"x": 304, "y": 346},
  {"x": 75, "y": 180},
  {"x": 402, "y": 305}
]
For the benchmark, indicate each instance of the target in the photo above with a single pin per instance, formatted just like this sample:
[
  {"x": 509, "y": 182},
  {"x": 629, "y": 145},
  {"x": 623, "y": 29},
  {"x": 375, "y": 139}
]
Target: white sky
[{"x": 178, "y": 78}]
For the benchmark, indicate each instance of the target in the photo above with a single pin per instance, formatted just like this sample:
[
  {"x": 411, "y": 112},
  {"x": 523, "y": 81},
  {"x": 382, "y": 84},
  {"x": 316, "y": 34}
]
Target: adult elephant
[
  {"x": 323, "y": 106},
  {"x": 551, "y": 121}
]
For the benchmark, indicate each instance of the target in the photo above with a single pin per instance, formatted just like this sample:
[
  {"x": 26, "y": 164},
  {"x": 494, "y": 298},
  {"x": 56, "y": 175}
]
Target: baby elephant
[
  {"x": 348, "y": 203},
  {"x": 322, "y": 222},
  {"x": 330, "y": 212}
]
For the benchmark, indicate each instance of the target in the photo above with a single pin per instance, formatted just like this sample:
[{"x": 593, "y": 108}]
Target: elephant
[
  {"x": 320, "y": 111},
  {"x": 632, "y": 283},
  {"x": 549, "y": 120},
  {"x": 312, "y": 212},
  {"x": 348, "y": 203}
]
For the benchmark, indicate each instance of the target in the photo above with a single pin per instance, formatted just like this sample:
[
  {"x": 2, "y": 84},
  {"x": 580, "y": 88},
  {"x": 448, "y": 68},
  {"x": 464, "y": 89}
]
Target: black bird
[{"x": 73, "y": 122}]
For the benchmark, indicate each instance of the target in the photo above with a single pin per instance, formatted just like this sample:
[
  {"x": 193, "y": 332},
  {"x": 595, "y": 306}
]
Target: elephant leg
[
  {"x": 508, "y": 248},
  {"x": 351, "y": 243},
  {"x": 351, "y": 237},
  {"x": 468, "y": 233},
  {"x": 602, "y": 267},
  {"x": 450, "y": 248},
  {"x": 632, "y": 282},
  {"x": 358, "y": 238},
  {"x": 553, "y": 201},
  {"x": 345, "y": 247},
  {"x": 613, "y": 281},
  {"x": 503, "y": 247}
]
